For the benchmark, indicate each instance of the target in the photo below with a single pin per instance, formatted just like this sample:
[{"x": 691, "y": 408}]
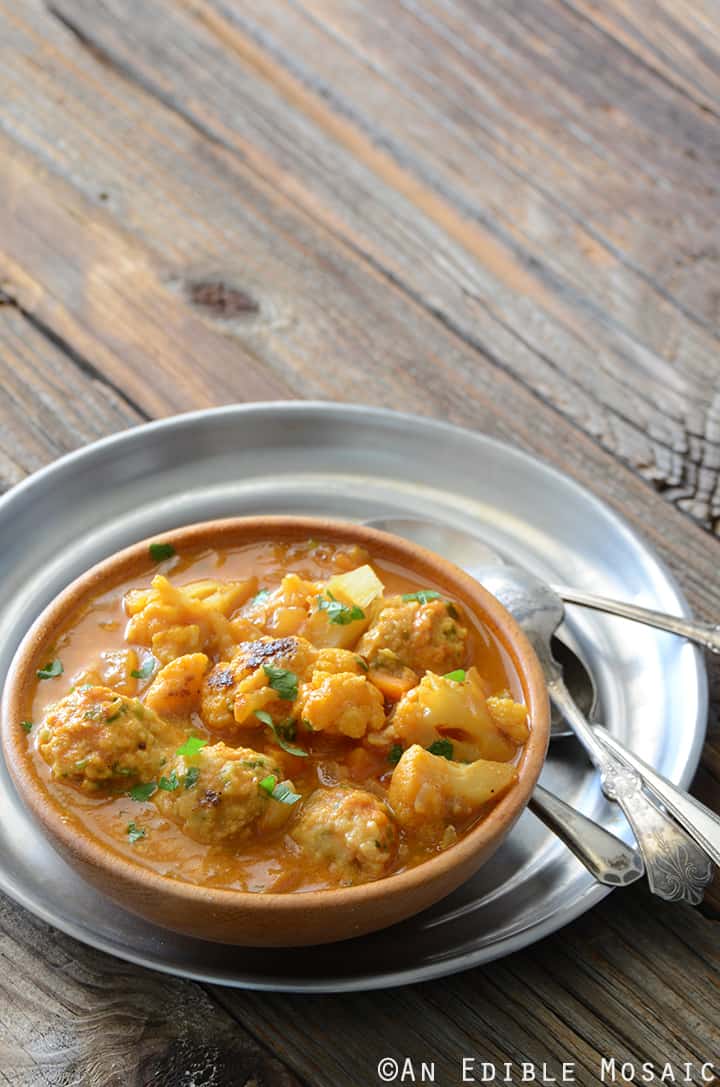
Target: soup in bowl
[{"x": 275, "y": 731}]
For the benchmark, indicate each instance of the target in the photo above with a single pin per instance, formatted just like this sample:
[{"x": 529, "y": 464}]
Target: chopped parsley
[
  {"x": 278, "y": 791},
  {"x": 146, "y": 669},
  {"x": 395, "y": 754},
  {"x": 282, "y": 733},
  {"x": 363, "y": 664},
  {"x": 135, "y": 833},
  {"x": 26, "y": 726},
  {"x": 422, "y": 595},
  {"x": 282, "y": 681},
  {"x": 170, "y": 783},
  {"x": 52, "y": 669},
  {"x": 337, "y": 612},
  {"x": 161, "y": 551},
  {"x": 458, "y": 676},
  {"x": 443, "y": 748},
  {"x": 259, "y": 597},
  {"x": 192, "y": 745},
  {"x": 191, "y": 778},
  {"x": 143, "y": 792}
]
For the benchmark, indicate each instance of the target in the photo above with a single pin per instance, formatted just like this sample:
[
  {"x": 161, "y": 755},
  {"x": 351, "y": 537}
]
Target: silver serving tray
[{"x": 357, "y": 463}]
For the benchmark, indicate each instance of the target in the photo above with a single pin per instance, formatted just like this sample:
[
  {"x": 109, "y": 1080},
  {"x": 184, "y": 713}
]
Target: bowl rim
[{"x": 102, "y": 576}]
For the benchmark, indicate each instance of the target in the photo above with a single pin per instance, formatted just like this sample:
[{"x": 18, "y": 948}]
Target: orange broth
[{"x": 270, "y": 863}]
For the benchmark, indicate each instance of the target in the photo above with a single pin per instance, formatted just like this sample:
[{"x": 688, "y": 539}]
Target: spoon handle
[
  {"x": 706, "y": 634},
  {"x": 677, "y": 868},
  {"x": 702, "y": 823},
  {"x": 606, "y": 857}
]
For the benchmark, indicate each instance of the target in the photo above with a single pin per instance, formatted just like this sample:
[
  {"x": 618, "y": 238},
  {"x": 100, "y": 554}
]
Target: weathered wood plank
[
  {"x": 596, "y": 989},
  {"x": 50, "y": 403},
  {"x": 509, "y": 258},
  {"x": 680, "y": 40},
  {"x": 72, "y": 1015}
]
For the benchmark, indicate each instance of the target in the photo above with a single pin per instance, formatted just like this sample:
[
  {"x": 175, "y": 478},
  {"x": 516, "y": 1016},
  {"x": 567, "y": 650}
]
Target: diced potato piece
[
  {"x": 175, "y": 691},
  {"x": 359, "y": 587},
  {"x": 440, "y": 708},
  {"x": 117, "y": 668},
  {"x": 429, "y": 791},
  {"x": 509, "y": 716}
]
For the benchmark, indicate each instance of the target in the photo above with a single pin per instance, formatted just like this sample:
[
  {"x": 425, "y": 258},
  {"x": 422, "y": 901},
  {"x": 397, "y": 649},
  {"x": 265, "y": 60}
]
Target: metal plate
[{"x": 357, "y": 463}]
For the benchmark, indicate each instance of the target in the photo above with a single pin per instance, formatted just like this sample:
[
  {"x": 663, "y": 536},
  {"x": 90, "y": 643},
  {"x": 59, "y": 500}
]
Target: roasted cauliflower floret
[
  {"x": 263, "y": 675},
  {"x": 220, "y": 795},
  {"x": 175, "y": 690},
  {"x": 445, "y": 709},
  {"x": 509, "y": 716},
  {"x": 350, "y": 830},
  {"x": 429, "y": 793},
  {"x": 94, "y": 738},
  {"x": 175, "y": 620},
  {"x": 424, "y": 637},
  {"x": 282, "y": 611},
  {"x": 342, "y": 704}
]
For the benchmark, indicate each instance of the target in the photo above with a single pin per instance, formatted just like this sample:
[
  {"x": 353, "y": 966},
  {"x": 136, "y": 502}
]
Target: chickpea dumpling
[
  {"x": 458, "y": 710},
  {"x": 351, "y": 830},
  {"x": 226, "y": 793},
  {"x": 424, "y": 631},
  {"x": 94, "y": 738}
]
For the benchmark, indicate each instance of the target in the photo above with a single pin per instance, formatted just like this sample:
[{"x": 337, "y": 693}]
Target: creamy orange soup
[{"x": 276, "y": 718}]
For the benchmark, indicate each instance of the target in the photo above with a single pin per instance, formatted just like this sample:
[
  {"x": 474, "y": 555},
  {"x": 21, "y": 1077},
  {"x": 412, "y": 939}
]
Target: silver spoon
[
  {"x": 695, "y": 630},
  {"x": 677, "y": 868}
]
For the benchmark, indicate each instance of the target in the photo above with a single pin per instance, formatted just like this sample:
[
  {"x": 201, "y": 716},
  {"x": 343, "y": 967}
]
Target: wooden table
[{"x": 503, "y": 214}]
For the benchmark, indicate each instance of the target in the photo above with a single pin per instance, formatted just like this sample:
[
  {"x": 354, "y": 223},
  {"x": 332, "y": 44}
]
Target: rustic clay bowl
[{"x": 272, "y": 919}]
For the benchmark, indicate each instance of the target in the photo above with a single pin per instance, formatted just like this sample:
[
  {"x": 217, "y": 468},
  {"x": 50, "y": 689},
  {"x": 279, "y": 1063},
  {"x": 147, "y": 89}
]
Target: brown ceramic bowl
[{"x": 291, "y": 919}]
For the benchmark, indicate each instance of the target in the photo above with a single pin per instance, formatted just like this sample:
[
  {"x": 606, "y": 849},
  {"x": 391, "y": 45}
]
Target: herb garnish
[
  {"x": 281, "y": 791},
  {"x": 282, "y": 734},
  {"x": 170, "y": 783},
  {"x": 422, "y": 595},
  {"x": 443, "y": 748},
  {"x": 26, "y": 726},
  {"x": 161, "y": 551},
  {"x": 146, "y": 669},
  {"x": 192, "y": 745},
  {"x": 143, "y": 792},
  {"x": 259, "y": 597},
  {"x": 458, "y": 676},
  {"x": 337, "y": 612},
  {"x": 52, "y": 669},
  {"x": 363, "y": 664},
  {"x": 191, "y": 778},
  {"x": 282, "y": 681},
  {"x": 135, "y": 833},
  {"x": 395, "y": 754}
]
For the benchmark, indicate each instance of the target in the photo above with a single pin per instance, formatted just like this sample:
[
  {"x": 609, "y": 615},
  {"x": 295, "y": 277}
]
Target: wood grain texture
[
  {"x": 71, "y": 1015},
  {"x": 555, "y": 230},
  {"x": 504, "y": 215}
]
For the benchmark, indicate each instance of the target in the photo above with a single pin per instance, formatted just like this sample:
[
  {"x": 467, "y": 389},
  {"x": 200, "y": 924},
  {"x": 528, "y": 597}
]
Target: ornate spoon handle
[
  {"x": 699, "y": 821},
  {"x": 677, "y": 868},
  {"x": 706, "y": 634},
  {"x": 606, "y": 857}
]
